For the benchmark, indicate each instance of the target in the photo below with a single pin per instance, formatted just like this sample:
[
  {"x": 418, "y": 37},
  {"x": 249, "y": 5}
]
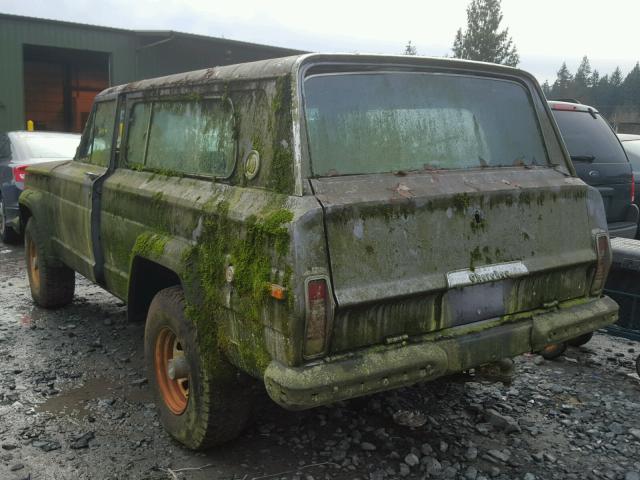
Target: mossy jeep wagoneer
[{"x": 331, "y": 225}]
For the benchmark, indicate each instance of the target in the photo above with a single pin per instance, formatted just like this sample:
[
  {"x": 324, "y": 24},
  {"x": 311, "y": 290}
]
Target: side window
[
  {"x": 138, "y": 132},
  {"x": 96, "y": 140},
  {"x": 192, "y": 136},
  {"x": 103, "y": 133}
]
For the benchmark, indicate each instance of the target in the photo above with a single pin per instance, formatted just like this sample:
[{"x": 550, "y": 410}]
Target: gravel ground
[{"x": 75, "y": 404}]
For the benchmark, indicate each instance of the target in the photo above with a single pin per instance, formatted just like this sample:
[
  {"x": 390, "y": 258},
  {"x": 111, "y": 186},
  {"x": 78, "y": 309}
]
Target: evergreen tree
[
  {"x": 563, "y": 86},
  {"x": 631, "y": 86},
  {"x": 482, "y": 39},
  {"x": 546, "y": 88},
  {"x": 410, "y": 49},
  {"x": 595, "y": 79},
  {"x": 583, "y": 74},
  {"x": 616, "y": 78}
]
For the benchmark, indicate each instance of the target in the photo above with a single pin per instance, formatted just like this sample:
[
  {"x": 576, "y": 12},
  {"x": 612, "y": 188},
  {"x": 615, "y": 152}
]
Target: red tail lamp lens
[
  {"x": 317, "y": 317},
  {"x": 603, "y": 251},
  {"x": 19, "y": 173}
]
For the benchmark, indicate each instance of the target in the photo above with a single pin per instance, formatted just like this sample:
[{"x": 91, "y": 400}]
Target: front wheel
[
  {"x": 202, "y": 399},
  {"x": 52, "y": 283}
]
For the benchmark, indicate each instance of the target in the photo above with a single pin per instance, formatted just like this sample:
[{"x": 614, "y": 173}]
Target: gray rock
[
  {"x": 369, "y": 447},
  {"x": 16, "y": 467},
  {"x": 635, "y": 432},
  {"x": 471, "y": 473},
  {"x": 529, "y": 476},
  {"x": 412, "y": 460},
  {"x": 503, "y": 422},
  {"x": 632, "y": 476},
  {"x": 501, "y": 455},
  {"x": 471, "y": 453},
  {"x": 426, "y": 449}
]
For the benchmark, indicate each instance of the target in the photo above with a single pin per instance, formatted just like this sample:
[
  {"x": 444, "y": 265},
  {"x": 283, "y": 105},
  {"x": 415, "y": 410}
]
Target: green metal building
[{"x": 50, "y": 70}]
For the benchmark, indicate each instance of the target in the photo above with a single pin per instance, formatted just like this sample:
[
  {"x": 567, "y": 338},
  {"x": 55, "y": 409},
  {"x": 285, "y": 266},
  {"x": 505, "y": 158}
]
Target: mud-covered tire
[
  {"x": 553, "y": 351},
  {"x": 581, "y": 340},
  {"x": 7, "y": 234},
  {"x": 52, "y": 283},
  {"x": 218, "y": 405}
]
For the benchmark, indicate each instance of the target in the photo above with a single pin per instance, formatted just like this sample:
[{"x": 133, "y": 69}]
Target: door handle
[{"x": 91, "y": 175}]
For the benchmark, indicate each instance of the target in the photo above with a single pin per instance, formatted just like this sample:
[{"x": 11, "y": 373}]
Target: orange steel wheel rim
[
  {"x": 174, "y": 391},
  {"x": 33, "y": 265}
]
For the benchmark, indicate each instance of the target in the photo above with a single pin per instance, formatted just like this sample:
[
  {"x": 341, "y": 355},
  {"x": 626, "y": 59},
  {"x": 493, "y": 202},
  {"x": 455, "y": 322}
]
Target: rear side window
[
  {"x": 588, "y": 136},
  {"x": 397, "y": 121},
  {"x": 192, "y": 137}
]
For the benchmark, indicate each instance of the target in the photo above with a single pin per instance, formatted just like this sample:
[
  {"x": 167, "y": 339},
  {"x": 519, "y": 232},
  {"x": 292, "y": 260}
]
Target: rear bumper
[{"x": 454, "y": 350}]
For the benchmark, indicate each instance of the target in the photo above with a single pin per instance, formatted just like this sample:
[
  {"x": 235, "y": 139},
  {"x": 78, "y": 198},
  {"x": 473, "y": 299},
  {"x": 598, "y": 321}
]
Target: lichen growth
[{"x": 149, "y": 245}]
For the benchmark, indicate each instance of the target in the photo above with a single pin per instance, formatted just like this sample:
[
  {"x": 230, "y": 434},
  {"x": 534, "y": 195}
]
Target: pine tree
[
  {"x": 616, "y": 78},
  {"x": 546, "y": 88},
  {"x": 583, "y": 73},
  {"x": 563, "y": 86},
  {"x": 631, "y": 86},
  {"x": 482, "y": 39},
  {"x": 410, "y": 49}
]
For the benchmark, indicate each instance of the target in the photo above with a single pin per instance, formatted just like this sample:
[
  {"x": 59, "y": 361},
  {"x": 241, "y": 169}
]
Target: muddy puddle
[{"x": 76, "y": 401}]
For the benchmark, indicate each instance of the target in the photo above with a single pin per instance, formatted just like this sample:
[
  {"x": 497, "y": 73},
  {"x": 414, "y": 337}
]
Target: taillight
[
  {"x": 19, "y": 173},
  {"x": 603, "y": 251},
  {"x": 633, "y": 188},
  {"x": 318, "y": 314}
]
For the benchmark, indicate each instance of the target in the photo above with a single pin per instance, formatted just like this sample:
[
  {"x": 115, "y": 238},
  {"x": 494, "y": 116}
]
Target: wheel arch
[{"x": 147, "y": 277}]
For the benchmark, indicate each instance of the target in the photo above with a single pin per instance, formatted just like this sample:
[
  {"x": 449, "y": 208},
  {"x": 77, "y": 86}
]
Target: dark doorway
[{"x": 60, "y": 85}]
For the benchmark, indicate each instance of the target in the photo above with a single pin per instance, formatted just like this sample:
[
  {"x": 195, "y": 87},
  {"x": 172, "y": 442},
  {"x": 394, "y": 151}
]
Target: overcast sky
[{"x": 546, "y": 32}]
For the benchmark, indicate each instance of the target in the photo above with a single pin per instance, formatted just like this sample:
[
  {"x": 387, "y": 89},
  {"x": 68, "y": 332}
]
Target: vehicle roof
[
  {"x": 626, "y": 137},
  {"x": 570, "y": 106},
  {"x": 277, "y": 67}
]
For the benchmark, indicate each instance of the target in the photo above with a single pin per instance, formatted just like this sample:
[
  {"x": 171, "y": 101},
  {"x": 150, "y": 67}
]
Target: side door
[{"x": 73, "y": 187}]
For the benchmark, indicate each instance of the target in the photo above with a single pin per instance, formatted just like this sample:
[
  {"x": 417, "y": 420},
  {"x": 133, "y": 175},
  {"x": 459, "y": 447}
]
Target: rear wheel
[
  {"x": 52, "y": 283},
  {"x": 202, "y": 399},
  {"x": 7, "y": 234},
  {"x": 581, "y": 340}
]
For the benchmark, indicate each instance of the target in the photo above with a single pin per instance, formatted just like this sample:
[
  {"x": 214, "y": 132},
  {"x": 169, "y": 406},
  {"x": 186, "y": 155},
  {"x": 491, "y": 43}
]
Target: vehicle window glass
[
  {"x": 402, "y": 121},
  {"x": 586, "y": 136},
  {"x": 633, "y": 152},
  {"x": 103, "y": 133},
  {"x": 137, "y": 134},
  {"x": 49, "y": 145},
  {"x": 193, "y": 137}
]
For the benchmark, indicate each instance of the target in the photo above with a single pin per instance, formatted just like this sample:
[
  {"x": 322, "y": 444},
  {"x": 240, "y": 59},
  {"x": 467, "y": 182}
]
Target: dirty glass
[
  {"x": 102, "y": 133},
  {"x": 137, "y": 134},
  {"x": 193, "y": 137},
  {"x": 403, "y": 121}
]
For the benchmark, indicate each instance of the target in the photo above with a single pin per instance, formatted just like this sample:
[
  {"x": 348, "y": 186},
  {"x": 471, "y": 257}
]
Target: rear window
[
  {"x": 49, "y": 146},
  {"x": 633, "y": 151},
  {"x": 403, "y": 121},
  {"x": 588, "y": 135},
  {"x": 193, "y": 137}
]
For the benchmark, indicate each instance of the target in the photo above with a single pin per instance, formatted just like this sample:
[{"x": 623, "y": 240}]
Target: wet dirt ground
[{"x": 75, "y": 404}]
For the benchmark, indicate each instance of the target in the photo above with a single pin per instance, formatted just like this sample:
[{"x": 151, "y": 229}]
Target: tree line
[
  {"x": 605, "y": 92},
  {"x": 484, "y": 40}
]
